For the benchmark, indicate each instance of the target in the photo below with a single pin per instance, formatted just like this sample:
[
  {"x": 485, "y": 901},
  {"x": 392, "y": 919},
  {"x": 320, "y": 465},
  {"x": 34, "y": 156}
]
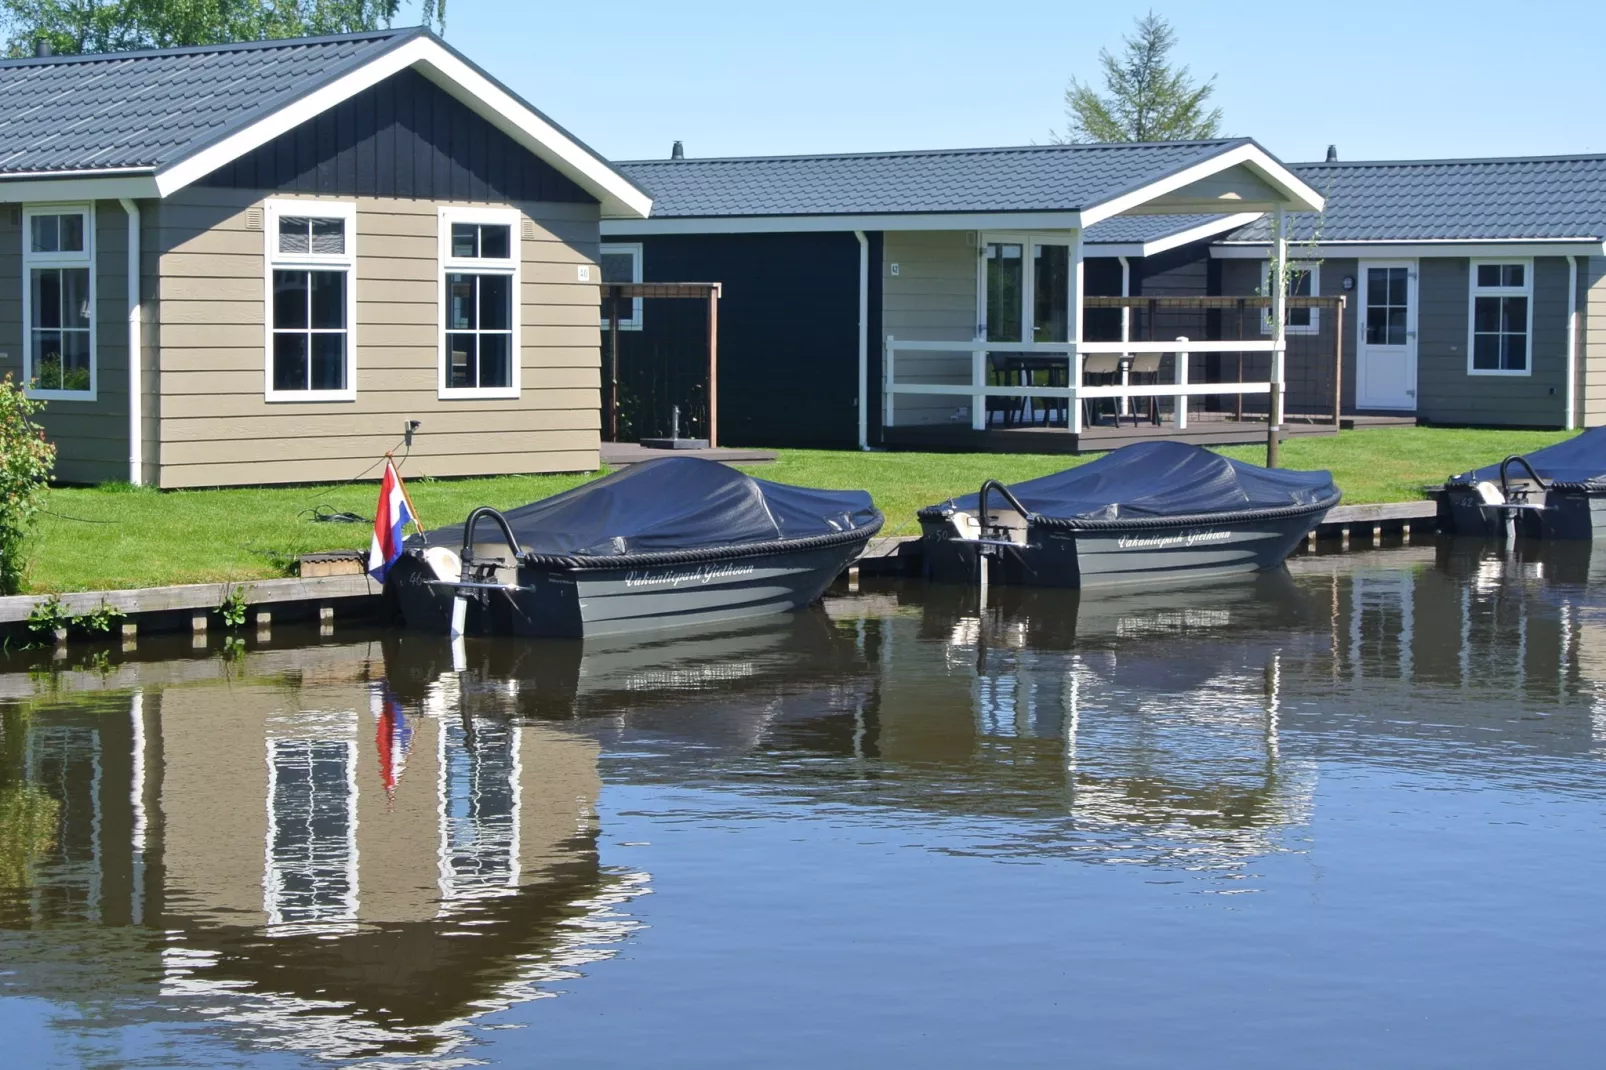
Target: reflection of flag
[
  {"x": 390, "y": 519},
  {"x": 393, "y": 737}
]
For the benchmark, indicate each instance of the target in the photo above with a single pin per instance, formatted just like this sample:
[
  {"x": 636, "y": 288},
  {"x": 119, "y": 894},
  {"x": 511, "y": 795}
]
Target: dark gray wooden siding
[
  {"x": 404, "y": 137},
  {"x": 788, "y": 339},
  {"x": 1447, "y": 394},
  {"x": 1310, "y": 356}
]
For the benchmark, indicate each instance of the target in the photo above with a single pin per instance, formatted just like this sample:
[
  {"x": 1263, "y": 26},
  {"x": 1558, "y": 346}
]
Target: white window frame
[
  {"x": 1474, "y": 291},
  {"x": 1315, "y": 269},
  {"x": 31, "y": 260},
  {"x": 635, "y": 250},
  {"x": 273, "y": 209},
  {"x": 512, "y": 267}
]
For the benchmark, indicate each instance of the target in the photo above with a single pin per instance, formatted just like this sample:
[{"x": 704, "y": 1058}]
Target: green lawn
[{"x": 122, "y": 537}]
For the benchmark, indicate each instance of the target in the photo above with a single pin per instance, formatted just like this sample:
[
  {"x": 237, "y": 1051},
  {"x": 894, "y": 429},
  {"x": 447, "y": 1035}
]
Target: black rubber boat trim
[
  {"x": 1589, "y": 487},
  {"x": 1188, "y": 520},
  {"x": 590, "y": 563}
]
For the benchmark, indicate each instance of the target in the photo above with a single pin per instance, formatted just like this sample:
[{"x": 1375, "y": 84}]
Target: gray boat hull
[
  {"x": 566, "y": 602},
  {"x": 1129, "y": 554},
  {"x": 1572, "y": 512}
]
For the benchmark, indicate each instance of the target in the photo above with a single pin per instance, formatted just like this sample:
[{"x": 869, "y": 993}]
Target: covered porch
[
  {"x": 1053, "y": 360},
  {"x": 1132, "y": 378}
]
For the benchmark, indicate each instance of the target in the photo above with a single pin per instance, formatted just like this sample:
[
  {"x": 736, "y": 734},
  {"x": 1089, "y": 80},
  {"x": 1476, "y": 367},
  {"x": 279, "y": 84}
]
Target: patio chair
[
  {"x": 1100, "y": 369},
  {"x": 1145, "y": 371}
]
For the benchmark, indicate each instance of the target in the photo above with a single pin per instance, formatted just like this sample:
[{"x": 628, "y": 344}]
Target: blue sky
[{"x": 1407, "y": 78}]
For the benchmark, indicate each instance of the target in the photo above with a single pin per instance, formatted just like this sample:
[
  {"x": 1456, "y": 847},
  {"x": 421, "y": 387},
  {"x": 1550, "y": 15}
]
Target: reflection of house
[{"x": 312, "y": 840}]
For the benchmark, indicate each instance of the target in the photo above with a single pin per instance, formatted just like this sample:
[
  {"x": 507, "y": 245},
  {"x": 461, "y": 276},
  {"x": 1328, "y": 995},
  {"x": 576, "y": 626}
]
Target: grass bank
[{"x": 118, "y": 536}]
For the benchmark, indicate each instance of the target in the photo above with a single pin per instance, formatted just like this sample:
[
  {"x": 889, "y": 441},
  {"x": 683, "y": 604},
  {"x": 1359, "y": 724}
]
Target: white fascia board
[
  {"x": 39, "y": 190},
  {"x": 1300, "y": 197},
  {"x": 782, "y": 224},
  {"x": 462, "y": 81},
  {"x": 1204, "y": 230},
  {"x": 1417, "y": 249}
]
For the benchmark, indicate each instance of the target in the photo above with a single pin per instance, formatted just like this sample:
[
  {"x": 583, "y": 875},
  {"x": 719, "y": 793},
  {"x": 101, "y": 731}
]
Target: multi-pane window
[
  {"x": 312, "y": 832},
  {"x": 621, "y": 263},
  {"x": 1304, "y": 280},
  {"x": 1502, "y": 313},
  {"x": 311, "y": 300},
  {"x": 480, "y": 285},
  {"x": 58, "y": 301},
  {"x": 1388, "y": 306}
]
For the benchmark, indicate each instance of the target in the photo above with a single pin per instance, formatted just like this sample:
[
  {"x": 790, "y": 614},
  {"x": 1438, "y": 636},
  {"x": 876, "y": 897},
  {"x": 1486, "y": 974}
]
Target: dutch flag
[{"x": 390, "y": 519}]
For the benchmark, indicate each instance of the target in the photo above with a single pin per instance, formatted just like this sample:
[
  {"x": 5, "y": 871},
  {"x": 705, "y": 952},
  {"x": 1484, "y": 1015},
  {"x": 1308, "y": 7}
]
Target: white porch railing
[{"x": 978, "y": 389}]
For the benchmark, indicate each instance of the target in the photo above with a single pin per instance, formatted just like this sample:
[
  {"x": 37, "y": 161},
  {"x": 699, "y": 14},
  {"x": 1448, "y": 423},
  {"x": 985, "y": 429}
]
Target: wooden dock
[{"x": 197, "y": 607}]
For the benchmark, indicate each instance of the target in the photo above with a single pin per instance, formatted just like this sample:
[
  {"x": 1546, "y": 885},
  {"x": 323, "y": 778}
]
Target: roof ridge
[
  {"x": 267, "y": 44},
  {"x": 1560, "y": 158},
  {"x": 899, "y": 153}
]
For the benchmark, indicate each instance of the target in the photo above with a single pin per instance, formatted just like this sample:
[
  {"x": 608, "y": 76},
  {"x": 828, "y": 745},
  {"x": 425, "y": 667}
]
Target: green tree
[
  {"x": 1145, "y": 98},
  {"x": 26, "y": 459},
  {"x": 77, "y": 26}
]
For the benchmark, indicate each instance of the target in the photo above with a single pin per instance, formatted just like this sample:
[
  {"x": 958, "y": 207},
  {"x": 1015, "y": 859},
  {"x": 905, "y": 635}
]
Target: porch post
[
  {"x": 1126, "y": 332},
  {"x": 1074, "y": 305},
  {"x": 1279, "y": 332},
  {"x": 713, "y": 364}
]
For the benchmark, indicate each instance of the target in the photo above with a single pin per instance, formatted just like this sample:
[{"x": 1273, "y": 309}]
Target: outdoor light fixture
[{"x": 1349, "y": 282}]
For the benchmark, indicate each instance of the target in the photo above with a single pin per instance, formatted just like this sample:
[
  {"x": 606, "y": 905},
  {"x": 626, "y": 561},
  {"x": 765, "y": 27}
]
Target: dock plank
[{"x": 192, "y": 596}]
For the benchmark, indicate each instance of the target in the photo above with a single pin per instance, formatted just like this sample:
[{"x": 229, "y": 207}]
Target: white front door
[{"x": 1385, "y": 344}]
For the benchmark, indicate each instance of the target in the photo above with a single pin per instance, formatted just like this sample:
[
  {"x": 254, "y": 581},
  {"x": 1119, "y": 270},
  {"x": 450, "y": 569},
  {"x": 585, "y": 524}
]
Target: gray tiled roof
[
  {"x": 146, "y": 109},
  {"x": 1531, "y": 198},
  {"x": 1041, "y": 178},
  {"x": 1135, "y": 229}
]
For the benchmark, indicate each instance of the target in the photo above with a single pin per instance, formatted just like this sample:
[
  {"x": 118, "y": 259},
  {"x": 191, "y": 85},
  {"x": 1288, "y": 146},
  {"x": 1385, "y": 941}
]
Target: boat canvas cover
[
  {"x": 1580, "y": 459},
  {"x": 673, "y": 503},
  {"x": 1164, "y": 479}
]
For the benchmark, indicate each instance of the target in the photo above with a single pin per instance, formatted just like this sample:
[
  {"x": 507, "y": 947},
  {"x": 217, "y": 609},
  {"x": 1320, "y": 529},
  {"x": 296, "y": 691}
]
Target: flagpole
[{"x": 408, "y": 498}]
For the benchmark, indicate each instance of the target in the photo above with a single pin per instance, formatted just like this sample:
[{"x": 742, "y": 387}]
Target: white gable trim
[
  {"x": 1172, "y": 241},
  {"x": 1299, "y": 196},
  {"x": 461, "y": 80}
]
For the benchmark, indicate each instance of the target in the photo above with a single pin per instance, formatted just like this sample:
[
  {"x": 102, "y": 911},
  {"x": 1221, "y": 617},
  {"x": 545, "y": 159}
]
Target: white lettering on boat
[
  {"x": 680, "y": 577},
  {"x": 1166, "y": 542}
]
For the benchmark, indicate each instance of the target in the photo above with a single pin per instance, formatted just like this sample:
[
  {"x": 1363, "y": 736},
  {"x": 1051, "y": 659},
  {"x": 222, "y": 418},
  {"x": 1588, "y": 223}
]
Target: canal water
[{"x": 1347, "y": 815}]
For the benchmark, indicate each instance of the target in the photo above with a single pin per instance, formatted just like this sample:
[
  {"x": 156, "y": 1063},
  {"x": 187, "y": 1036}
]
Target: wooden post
[
  {"x": 1238, "y": 400},
  {"x": 1338, "y": 363},
  {"x": 613, "y": 363},
  {"x": 1182, "y": 380},
  {"x": 713, "y": 365},
  {"x": 1073, "y": 419},
  {"x": 1279, "y": 332}
]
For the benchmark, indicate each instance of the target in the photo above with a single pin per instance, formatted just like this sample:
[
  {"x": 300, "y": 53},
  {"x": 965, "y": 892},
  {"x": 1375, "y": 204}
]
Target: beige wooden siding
[
  {"x": 931, "y": 299},
  {"x": 1221, "y": 191},
  {"x": 217, "y": 427},
  {"x": 91, "y": 437},
  {"x": 1592, "y": 329}
]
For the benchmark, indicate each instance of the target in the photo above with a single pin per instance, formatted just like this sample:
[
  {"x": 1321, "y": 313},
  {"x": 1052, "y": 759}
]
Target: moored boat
[
  {"x": 1558, "y": 492},
  {"x": 670, "y": 543},
  {"x": 1146, "y": 513}
]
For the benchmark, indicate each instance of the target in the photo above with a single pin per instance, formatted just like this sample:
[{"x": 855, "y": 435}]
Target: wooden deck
[
  {"x": 1200, "y": 432},
  {"x": 1204, "y": 429},
  {"x": 619, "y": 454}
]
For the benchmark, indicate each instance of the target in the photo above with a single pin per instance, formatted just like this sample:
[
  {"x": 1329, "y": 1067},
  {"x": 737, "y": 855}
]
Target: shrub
[{"x": 26, "y": 459}]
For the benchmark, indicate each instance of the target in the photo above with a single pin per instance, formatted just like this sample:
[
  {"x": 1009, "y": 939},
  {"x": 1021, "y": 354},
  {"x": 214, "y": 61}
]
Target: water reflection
[
  {"x": 302, "y": 855},
  {"x": 359, "y": 849}
]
